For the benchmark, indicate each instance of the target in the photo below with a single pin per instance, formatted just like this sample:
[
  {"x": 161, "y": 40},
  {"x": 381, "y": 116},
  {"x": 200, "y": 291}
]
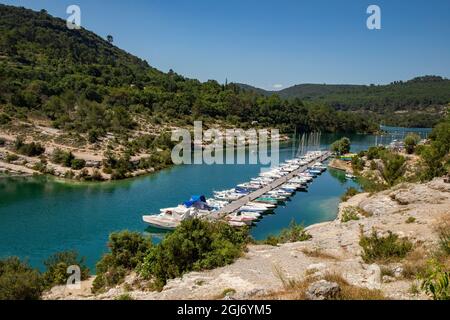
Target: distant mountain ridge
[
  {"x": 311, "y": 91},
  {"x": 303, "y": 91}
]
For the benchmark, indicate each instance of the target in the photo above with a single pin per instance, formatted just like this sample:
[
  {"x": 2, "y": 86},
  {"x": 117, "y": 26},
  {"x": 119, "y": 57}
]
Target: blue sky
[{"x": 269, "y": 43}]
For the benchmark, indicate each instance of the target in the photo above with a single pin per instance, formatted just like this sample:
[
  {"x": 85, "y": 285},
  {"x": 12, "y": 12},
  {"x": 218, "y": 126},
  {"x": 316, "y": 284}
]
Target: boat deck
[{"x": 235, "y": 205}]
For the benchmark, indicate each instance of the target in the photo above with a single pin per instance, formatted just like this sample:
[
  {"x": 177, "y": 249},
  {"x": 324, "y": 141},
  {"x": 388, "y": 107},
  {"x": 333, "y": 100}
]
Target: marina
[
  {"x": 82, "y": 215},
  {"x": 247, "y": 202}
]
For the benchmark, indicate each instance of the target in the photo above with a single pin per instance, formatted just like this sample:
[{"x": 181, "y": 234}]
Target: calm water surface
[{"x": 40, "y": 216}]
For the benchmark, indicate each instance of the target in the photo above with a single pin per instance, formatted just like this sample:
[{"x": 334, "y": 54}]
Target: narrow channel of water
[{"x": 40, "y": 216}]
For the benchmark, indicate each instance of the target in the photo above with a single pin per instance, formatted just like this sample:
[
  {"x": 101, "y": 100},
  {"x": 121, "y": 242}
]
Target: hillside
[
  {"x": 77, "y": 81},
  {"x": 414, "y": 103}
]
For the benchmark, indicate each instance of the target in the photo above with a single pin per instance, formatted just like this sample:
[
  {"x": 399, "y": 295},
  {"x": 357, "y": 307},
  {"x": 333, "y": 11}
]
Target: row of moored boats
[{"x": 252, "y": 210}]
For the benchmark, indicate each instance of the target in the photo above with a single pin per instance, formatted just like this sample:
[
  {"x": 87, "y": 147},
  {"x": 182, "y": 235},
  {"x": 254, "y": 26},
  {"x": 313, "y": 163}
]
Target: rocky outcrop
[{"x": 323, "y": 290}]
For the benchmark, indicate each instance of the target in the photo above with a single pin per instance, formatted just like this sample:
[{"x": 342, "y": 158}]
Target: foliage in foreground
[
  {"x": 384, "y": 249},
  {"x": 349, "y": 214},
  {"x": 18, "y": 281},
  {"x": 195, "y": 245},
  {"x": 57, "y": 264},
  {"x": 127, "y": 251},
  {"x": 436, "y": 281}
]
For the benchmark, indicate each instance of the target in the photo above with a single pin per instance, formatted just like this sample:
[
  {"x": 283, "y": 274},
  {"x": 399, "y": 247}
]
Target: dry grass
[
  {"x": 296, "y": 289},
  {"x": 318, "y": 253},
  {"x": 415, "y": 263}
]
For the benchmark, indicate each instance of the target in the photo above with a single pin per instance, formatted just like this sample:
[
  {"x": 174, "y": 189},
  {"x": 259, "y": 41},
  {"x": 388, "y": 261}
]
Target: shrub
[
  {"x": 410, "y": 220},
  {"x": 125, "y": 297},
  {"x": 374, "y": 152},
  {"x": 32, "y": 149},
  {"x": 2, "y": 142},
  {"x": 393, "y": 167},
  {"x": 271, "y": 241},
  {"x": 18, "y": 281},
  {"x": 357, "y": 163},
  {"x": 57, "y": 264},
  {"x": 4, "y": 119},
  {"x": 63, "y": 158},
  {"x": 388, "y": 248},
  {"x": 194, "y": 245},
  {"x": 436, "y": 281},
  {"x": 443, "y": 231},
  {"x": 295, "y": 233},
  {"x": 11, "y": 157},
  {"x": 373, "y": 165},
  {"x": 351, "y": 192},
  {"x": 128, "y": 249},
  {"x": 78, "y": 164},
  {"x": 411, "y": 142},
  {"x": 40, "y": 166},
  {"x": 349, "y": 214}
]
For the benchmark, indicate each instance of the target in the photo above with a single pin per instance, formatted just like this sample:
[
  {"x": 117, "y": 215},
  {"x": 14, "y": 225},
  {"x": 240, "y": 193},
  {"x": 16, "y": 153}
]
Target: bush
[
  {"x": 410, "y": 220},
  {"x": 2, "y": 142},
  {"x": 349, "y": 214},
  {"x": 295, "y": 233},
  {"x": 57, "y": 264},
  {"x": 18, "y": 281},
  {"x": 374, "y": 153},
  {"x": 78, "y": 164},
  {"x": 31, "y": 150},
  {"x": 411, "y": 142},
  {"x": 351, "y": 192},
  {"x": 357, "y": 164},
  {"x": 383, "y": 249},
  {"x": 194, "y": 245},
  {"x": 63, "y": 158},
  {"x": 128, "y": 250},
  {"x": 436, "y": 281},
  {"x": 443, "y": 231},
  {"x": 11, "y": 157},
  {"x": 393, "y": 167},
  {"x": 4, "y": 119}
]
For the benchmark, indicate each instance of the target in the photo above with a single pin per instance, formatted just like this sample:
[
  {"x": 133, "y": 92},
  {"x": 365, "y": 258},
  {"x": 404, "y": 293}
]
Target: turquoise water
[{"x": 40, "y": 216}]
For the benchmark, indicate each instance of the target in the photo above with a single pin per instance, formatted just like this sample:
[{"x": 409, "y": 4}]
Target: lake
[{"x": 40, "y": 216}]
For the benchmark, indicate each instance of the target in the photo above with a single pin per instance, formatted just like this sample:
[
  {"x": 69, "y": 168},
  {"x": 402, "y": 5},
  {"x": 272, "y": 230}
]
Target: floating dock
[{"x": 237, "y": 204}]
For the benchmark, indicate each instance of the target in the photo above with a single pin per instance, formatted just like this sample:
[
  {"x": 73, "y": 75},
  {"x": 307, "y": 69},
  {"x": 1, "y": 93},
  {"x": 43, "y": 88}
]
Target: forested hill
[
  {"x": 80, "y": 82},
  {"x": 413, "y": 96}
]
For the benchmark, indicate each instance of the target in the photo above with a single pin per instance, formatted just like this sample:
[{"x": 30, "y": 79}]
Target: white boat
[
  {"x": 245, "y": 215},
  {"x": 350, "y": 176},
  {"x": 253, "y": 209},
  {"x": 261, "y": 205},
  {"x": 169, "y": 219},
  {"x": 236, "y": 224}
]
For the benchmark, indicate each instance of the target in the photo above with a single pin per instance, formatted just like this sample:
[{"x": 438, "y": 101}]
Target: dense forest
[
  {"x": 81, "y": 82},
  {"x": 414, "y": 103}
]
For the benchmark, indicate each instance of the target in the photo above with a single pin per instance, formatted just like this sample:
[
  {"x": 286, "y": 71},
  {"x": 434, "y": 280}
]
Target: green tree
[
  {"x": 341, "y": 146},
  {"x": 411, "y": 142},
  {"x": 18, "y": 281}
]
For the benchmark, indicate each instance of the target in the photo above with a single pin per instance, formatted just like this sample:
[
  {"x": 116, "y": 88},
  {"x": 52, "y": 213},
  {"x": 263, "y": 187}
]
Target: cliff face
[{"x": 408, "y": 210}]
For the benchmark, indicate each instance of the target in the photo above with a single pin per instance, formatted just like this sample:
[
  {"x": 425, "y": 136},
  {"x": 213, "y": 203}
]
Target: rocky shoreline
[{"x": 333, "y": 248}]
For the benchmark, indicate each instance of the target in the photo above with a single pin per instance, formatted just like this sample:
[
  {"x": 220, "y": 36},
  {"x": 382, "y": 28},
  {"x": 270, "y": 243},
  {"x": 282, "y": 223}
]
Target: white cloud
[{"x": 277, "y": 86}]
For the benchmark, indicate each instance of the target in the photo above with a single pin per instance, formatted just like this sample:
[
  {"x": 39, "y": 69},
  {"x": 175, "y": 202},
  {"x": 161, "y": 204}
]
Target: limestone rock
[
  {"x": 374, "y": 277},
  {"x": 323, "y": 290}
]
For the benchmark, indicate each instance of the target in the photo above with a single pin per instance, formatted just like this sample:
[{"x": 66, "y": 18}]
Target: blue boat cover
[{"x": 197, "y": 202}]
